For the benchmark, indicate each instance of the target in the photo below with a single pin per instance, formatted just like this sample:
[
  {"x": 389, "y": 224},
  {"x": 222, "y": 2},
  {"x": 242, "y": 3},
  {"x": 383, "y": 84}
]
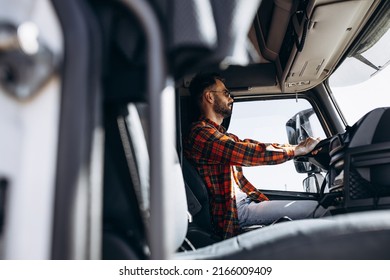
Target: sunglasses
[{"x": 225, "y": 92}]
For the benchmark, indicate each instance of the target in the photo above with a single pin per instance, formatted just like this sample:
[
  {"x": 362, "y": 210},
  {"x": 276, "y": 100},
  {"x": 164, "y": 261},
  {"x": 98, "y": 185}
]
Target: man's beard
[{"x": 221, "y": 109}]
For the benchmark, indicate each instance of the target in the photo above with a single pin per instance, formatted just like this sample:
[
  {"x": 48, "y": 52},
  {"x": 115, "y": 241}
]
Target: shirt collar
[{"x": 217, "y": 126}]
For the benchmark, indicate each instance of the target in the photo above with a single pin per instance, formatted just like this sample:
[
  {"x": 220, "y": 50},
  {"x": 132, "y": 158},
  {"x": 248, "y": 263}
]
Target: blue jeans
[{"x": 266, "y": 212}]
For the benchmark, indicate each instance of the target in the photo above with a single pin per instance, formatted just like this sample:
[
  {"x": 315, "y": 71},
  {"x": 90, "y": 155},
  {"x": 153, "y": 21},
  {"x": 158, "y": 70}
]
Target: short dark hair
[
  {"x": 197, "y": 86},
  {"x": 201, "y": 82}
]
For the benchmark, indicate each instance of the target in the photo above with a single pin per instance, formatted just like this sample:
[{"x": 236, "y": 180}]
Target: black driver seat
[{"x": 200, "y": 230}]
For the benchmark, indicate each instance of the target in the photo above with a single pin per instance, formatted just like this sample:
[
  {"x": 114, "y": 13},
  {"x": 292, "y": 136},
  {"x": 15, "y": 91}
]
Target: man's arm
[{"x": 211, "y": 146}]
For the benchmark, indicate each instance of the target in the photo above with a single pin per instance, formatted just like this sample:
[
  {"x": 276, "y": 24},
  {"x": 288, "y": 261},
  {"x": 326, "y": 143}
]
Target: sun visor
[{"x": 253, "y": 75}]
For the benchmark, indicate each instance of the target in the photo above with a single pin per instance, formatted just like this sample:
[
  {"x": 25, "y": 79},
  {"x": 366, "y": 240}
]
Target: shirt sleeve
[{"x": 212, "y": 146}]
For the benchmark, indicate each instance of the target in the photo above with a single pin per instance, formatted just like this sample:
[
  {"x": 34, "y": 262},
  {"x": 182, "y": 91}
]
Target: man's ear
[{"x": 209, "y": 97}]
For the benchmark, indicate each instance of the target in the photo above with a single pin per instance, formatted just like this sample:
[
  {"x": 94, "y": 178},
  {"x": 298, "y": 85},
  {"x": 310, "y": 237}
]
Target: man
[{"x": 219, "y": 156}]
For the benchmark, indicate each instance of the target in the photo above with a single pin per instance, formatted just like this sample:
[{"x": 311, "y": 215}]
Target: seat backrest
[
  {"x": 200, "y": 230},
  {"x": 127, "y": 190},
  {"x": 176, "y": 212},
  {"x": 194, "y": 182},
  {"x": 124, "y": 232}
]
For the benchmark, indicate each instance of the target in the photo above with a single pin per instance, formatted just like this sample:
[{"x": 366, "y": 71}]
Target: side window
[{"x": 272, "y": 121}]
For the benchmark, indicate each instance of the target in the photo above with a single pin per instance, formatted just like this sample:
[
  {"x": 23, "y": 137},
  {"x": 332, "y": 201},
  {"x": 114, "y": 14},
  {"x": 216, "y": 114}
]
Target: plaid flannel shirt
[{"x": 219, "y": 156}]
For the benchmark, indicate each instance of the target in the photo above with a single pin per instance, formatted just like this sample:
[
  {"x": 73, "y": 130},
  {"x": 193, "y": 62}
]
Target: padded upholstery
[
  {"x": 363, "y": 235},
  {"x": 199, "y": 189},
  {"x": 122, "y": 222},
  {"x": 179, "y": 221},
  {"x": 200, "y": 232},
  {"x": 365, "y": 151},
  {"x": 373, "y": 128}
]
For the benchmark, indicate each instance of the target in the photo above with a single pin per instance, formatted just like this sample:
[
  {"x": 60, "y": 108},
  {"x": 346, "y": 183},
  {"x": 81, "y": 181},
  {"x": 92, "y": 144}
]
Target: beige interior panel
[{"x": 326, "y": 40}]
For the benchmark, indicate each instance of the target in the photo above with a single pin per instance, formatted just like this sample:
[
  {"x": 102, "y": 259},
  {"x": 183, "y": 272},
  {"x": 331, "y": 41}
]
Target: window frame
[{"x": 311, "y": 98}]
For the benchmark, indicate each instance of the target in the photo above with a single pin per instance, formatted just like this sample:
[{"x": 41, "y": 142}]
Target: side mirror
[
  {"x": 313, "y": 183},
  {"x": 298, "y": 129}
]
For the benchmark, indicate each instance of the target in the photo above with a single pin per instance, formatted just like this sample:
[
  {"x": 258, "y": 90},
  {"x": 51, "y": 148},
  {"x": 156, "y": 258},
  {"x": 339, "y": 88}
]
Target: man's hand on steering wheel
[{"x": 307, "y": 146}]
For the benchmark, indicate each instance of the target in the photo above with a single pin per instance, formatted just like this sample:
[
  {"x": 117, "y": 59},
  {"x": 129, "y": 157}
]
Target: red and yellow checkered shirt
[{"x": 219, "y": 157}]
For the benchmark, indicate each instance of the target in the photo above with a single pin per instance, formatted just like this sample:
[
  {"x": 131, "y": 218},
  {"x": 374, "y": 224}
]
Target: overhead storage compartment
[
  {"x": 322, "y": 33},
  {"x": 299, "y": 37}
]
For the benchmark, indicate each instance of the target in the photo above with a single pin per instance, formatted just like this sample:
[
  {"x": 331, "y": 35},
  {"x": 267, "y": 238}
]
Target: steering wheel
[{"x": 322, "y": 158}]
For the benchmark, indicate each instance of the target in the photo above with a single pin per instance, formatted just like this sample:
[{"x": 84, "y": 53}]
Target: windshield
[{"x": 360, "y": 84}]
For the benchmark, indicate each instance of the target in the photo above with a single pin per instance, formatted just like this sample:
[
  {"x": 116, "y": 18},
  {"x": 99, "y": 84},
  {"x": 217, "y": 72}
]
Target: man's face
[{"x": 223, "y": 101}]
